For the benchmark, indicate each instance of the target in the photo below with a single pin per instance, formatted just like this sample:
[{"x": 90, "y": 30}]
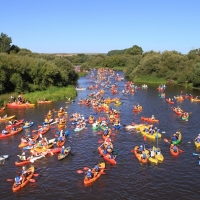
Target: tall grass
[
  {"x": 52, "y": 93},
  {"x": 149, "y": 79}
]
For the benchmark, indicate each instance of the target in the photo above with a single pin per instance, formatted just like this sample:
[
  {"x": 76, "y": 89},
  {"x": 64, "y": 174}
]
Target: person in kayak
[
  {"x": 151, "y": 153},
  {"x": 63, "y": 150},
  {"x": 152, "y": 117},
  {"x": 143, "y": 155},
  {"x": 141, "y": 149},
  {"x": 22, "y": 157},
  {"x": 26, "y": 123},
  {"x": 175, "y": 149},
  {"x": 89, "y": 174},
  {"x": 4, "y": 132},
  {"x": 18, "y": 180},
  {"x": 198, "y": 139}
]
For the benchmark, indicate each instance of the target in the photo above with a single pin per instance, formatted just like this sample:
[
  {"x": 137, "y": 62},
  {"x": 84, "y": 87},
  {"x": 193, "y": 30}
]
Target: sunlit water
[{"x": 175, "y": 178}]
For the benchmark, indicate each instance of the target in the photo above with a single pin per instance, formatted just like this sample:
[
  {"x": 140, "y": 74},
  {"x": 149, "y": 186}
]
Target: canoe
[
  {"x": 178, "y": 140},
  {"x": 149, "y": 135},
  {"x": 107, "y": 156},
  {"x": 172, "y": 151},
  {"x": 24, "y": 143},
  {"x": 30, "y": 174},
  {"x": 139, "y": 156},
  {"x": 170, "y": 102},
  {"x": 11, "y": 132},
  {"x": 7, "y": 118},
  {"x": 62, "y": 156},
  {"x": 159, "y": 155},
  {"x": 30, "y": 124},
  {"x": 102, "y": 166},
  {"x": 22, "y": 105},
  {"x": 44, "y": 102},
  {"x": 149, "y": 119},
  {"x": 10, "y": 126}
]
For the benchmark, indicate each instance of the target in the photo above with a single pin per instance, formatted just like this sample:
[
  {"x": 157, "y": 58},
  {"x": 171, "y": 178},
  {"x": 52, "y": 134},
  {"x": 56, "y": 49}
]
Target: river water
[{"x": 175, "y": 178}]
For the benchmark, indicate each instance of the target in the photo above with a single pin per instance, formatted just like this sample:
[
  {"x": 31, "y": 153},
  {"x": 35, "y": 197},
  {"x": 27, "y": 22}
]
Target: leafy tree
[
  {"x": 134, "y": 50},
  {"x": 5, "y": 42}
]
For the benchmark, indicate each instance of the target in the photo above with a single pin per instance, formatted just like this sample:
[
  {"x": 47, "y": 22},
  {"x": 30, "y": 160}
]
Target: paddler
[
  {"x": 89, "y": 174},
  {"x": 152, "y": 117},
  {"x": 18, "y": 180}
]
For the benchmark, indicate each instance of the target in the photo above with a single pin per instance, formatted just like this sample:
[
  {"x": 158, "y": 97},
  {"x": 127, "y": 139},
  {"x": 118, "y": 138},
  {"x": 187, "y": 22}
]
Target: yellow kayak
[
  {"x": 149, "y": 135},
  {"x": 158, "y": 154},
  {"x": 7, "y": 118},
  {"x": 151, "y": 159}
]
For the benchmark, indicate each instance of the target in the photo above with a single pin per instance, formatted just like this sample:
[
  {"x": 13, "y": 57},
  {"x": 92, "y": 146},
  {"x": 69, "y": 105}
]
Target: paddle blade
[
  {"x": 166, "y": 140},
  {"x": 181, "y": 151},
  {"x": 132, "y": 150},
  {"x": 145, "y": 138},
  {"x": 85, "y": 168},
  {"x": 36, "y": 175},
  {"x": 79, "y": 171},
  {"x": 32, "y": 180},
  {"x": 9, "y": 179}
]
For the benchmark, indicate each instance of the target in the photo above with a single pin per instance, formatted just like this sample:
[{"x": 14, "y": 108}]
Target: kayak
[
  {"x": 178, "y": 140},
  {"x": 95, "y": 127},
  {"x": 96, "y": 175},
  {"x": 10, "y": 126},
  {"x": 45, "y": 129},
  {"x": 154, "y": 136},
  {"x": 195, "y": 100},
  {"x": 10, "y": 133},
  {"x": 149, "y": 119},
  {"x": 158, "y": 154},
  {"x": 197, "y": 144},
  {"x": 54, "y": 150},
  {"x": 30, "y": 172},
  {"x": 21, "y": 105},
  {"x": 61, "y": 113},
  {"x": 7, "y": 118},
  {"x": 43, "y": 148},
  {"x": 29, "y": 125},
  {"x": 151, "y": 159},
  {"x": 136, "y": 126},
  {"x": 137, "y": 109},
  {"x": 107, "y": 156},
  {"x": 44, "y": 102},
  {"x": 172, "y": 151},
  {"x": 61, "y": 143},
  {"x": 47, "y": 121},
  {"x": 185, "y": 117},
  {"x": 180, "y": 112},
  {"x": 118, "y": 103},
  {"x": 139, "y": 156},
  {"x": 24, "y": 143},
  {"x": 169, "y": 101},
  {"x": 62, "y": 156},
  {"x": 23, "y": 162},
  {"x": 116, "y": 126}
]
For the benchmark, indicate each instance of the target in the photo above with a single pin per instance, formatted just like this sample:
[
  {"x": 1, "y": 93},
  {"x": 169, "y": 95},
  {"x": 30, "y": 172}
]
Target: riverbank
[{"x": 53, "y": 93}]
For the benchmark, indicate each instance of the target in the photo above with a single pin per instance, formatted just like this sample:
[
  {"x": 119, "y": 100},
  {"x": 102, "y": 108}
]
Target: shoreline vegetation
[{"x": 52, "y": 93}]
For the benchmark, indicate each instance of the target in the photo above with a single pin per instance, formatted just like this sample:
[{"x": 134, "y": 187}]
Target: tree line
[{"x": 24, "y": 71}]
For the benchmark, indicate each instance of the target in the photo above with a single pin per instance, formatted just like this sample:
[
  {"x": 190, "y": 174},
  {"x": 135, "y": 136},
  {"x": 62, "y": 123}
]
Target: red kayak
[
  {"x": 107, "y": 157},
  {"x": 10, "y": 133},
  {"x": 170, "y": 102},
  {"x": 24, "y": 162},
  {"x": 10, "y": 126},
  {"x": 149, "y": 119},
  {"x": 174, "y": 153}
]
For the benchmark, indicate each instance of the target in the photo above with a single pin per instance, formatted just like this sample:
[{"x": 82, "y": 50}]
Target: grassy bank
[
  {"x": 149, "y": 79},
  {"x": 80, "y": 74},
  {"x": 53, "y": 93}
]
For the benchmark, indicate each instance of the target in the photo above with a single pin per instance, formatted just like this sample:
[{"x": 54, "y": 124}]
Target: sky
[{"x": 99, "y": 26}]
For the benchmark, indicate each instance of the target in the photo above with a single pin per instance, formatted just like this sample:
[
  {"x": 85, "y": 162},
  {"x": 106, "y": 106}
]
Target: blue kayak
[{"x": 30, "y": 124}]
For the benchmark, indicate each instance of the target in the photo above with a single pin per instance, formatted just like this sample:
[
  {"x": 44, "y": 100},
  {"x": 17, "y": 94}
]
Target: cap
[
  {"x": 108, "y": 140},
  {"x": 63, "y": 147},
  {"x": 141, "y": 146},
  {"x": 23, "y": 153},
  {"x": 89, "y": 170}
]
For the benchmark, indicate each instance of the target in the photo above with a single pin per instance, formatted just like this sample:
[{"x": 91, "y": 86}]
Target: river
[{"x": 174, "y": 178}]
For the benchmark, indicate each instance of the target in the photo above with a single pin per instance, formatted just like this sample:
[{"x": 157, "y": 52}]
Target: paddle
[
  {"x": 166, "y": 140},
  {"x": 145, "y": 138},
  {"x": 11, "y": 180}
]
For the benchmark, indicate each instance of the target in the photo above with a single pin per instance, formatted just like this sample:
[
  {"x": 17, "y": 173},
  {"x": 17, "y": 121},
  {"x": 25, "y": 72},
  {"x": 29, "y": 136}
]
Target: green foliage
[{"x": 5, "y": 42}]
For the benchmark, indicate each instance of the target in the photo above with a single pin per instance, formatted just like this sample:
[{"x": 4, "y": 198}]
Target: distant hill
[{"x": 74, "y": 54}]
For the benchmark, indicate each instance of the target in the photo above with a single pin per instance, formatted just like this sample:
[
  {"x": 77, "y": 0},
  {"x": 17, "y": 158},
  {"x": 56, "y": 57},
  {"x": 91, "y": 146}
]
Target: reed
[{"x": 52, "y": 93}]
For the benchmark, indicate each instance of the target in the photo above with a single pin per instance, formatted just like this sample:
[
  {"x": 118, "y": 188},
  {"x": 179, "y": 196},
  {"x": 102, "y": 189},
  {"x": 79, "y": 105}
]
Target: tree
[
  {"x": 134, "y": 50},
  {"x": 5, "y": 42}
]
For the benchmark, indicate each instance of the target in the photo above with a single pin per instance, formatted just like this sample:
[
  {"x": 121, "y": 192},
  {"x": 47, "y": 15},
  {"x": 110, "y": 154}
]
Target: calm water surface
[{"x": 175, "y": 178}]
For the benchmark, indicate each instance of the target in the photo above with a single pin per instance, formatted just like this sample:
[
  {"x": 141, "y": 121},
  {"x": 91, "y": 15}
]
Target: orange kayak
[
  {"x": 139, "y": 156},
  {"x": 30, "y": 174},
  {"x": 107, "y": 156},
  {"x": 96, "y": 174},
  {"x": 149, "y": 119},
  {"x": 44, "y": 102}
]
